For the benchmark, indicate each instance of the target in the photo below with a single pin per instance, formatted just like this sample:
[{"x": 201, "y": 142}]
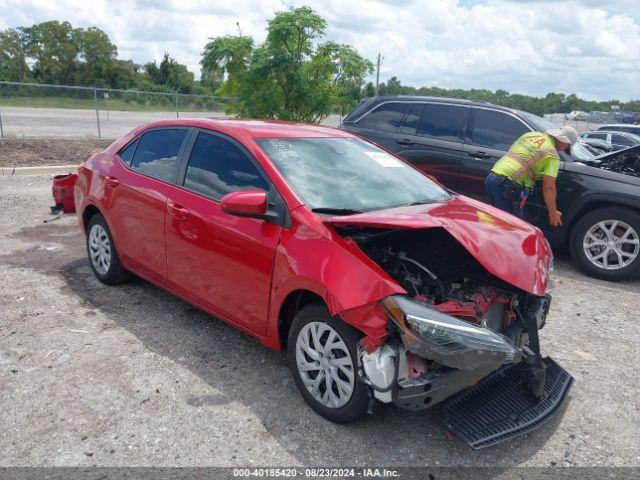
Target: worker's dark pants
[{"x": 496, "y": 189}]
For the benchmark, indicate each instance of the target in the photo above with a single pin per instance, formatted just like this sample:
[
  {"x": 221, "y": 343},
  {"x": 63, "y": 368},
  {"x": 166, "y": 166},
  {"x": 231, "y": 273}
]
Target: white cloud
[{"x": 534, "y": 47}]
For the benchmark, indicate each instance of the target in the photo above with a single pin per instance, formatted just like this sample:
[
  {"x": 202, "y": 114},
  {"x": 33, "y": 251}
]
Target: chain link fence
[
  {"x": 592, "y": 122},
  {"x": 56, "y": 111}
]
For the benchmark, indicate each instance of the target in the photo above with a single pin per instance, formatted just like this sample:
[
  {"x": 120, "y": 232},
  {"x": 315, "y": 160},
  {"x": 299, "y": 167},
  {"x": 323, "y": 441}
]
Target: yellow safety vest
[{"x": 533, "y": 155}]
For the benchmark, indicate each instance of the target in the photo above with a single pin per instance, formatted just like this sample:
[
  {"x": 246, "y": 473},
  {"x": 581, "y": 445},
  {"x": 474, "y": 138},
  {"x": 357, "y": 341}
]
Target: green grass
[{"x": 111, "y": 104}]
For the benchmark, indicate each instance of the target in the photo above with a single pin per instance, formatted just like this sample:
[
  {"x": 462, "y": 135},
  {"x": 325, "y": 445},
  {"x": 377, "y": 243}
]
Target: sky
[{"x": 587, "y": 47}]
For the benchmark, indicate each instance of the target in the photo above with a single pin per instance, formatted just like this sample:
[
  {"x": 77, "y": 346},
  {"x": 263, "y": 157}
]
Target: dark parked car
[
  {"x": 620, "y": 127},
  {"x": 618, "y": 140},
  {"x": 458, "y": 142}
]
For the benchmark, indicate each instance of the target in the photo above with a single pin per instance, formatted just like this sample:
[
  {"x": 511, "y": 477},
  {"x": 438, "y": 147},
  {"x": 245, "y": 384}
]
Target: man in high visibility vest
[{"x": 534, "y": 156}]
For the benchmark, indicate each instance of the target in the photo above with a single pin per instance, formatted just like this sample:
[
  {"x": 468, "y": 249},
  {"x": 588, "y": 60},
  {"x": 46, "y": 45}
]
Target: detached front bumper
[
  {"x": 494, "y": 386},
  {"x": 500, "y": 406}
]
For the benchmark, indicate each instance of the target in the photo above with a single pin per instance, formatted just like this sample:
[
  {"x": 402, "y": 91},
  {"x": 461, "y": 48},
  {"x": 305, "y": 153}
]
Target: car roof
[
  {"x": 370, "y": 103},
  {"x": 452, "y": 100},
  {"x": 622, "y": 133},
  {"x": 255, "y": 128},
  {"x": 619, "y": 125}
]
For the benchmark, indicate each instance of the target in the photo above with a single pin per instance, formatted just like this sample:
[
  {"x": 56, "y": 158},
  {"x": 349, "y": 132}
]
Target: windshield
[{"x": 348, "y": 175}]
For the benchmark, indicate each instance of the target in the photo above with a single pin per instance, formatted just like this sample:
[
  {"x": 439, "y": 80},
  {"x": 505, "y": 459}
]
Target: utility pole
[
  {"x": 378, "y": 72},
  {"x": 239, "y": 29}
]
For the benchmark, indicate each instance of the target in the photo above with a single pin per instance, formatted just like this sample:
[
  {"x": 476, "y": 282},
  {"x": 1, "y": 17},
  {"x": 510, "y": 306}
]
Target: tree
[
  {"x": 226, "y": 58},
  {"x": 291, "y": 76},
  {"x": 13, "y": 64},
  {"x": 97, "y": 56},
  {"x": 53, "y": 47},
  {"x": 170, "y": 73},
  {"x": 392, "y": 87}
]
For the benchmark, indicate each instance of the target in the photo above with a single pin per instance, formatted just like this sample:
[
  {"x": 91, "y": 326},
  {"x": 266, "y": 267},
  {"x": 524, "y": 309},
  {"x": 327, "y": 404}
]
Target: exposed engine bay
[
  {"x": 627, "y": 162},
  {"x": 434, "y": 268},
  {"x": 420, "y": 364}
]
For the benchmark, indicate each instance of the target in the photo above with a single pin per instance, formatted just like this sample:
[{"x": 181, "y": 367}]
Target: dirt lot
[
  {"x": 130, "y": 375},
  {"x": 15, "y": 152}
]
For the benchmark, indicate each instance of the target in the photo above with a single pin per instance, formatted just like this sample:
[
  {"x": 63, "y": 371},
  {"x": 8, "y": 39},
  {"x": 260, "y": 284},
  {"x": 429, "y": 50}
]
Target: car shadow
[{"x": 242, "y": 370}]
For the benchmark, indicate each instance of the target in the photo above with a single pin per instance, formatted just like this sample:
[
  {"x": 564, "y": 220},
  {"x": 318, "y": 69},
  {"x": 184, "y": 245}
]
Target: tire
[
  {"x": 342, "y": 405},
  {"x": 102, "y": 253},
  {"x": 599, "y": 230}
]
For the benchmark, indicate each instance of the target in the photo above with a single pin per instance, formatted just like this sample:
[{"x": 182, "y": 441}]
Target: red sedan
[{"x": 380, "y": 283}]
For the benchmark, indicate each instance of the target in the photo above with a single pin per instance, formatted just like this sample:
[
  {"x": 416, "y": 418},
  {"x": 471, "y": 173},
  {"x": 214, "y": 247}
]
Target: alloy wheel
[
  {"x": 325, "y": 365},
  {"x": 611, "y": 244},
  {"x": 99, "y": 249}
]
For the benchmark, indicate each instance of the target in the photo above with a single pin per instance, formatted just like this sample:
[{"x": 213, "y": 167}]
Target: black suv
[{"x": 459, "y": 141}]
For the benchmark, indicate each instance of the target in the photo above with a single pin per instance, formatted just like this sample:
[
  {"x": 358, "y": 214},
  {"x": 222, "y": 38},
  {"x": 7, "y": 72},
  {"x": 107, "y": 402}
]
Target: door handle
[
  {"x": 404, "y": 141},
  {"x": 177, "y": 211},
  {"x": 112, "y": 182},
  {"x": 482, "y": 155}
]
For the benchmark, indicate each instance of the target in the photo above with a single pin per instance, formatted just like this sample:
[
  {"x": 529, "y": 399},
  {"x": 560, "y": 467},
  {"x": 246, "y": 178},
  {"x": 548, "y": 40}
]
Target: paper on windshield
[{"x": 385, "y": 159}]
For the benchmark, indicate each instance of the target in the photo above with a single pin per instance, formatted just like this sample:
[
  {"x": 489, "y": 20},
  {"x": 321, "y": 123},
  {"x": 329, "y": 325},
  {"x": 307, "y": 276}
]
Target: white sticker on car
[{"x": 385, "y": 159}]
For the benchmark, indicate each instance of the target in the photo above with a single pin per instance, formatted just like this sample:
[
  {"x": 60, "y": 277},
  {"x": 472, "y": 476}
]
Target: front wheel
[
  {"x": 606, "y": 244},
  {"x": 322, "y": 353}
]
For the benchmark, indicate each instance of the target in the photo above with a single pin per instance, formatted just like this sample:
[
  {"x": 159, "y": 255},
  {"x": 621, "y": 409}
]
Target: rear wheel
[
  {"x": 606, "y": 243},
  {"x": 322, "y": 353},
  {"x": 103, "y": 256}
]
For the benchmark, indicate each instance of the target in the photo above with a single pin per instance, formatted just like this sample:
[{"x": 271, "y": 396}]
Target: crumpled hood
[
  {"x": 506, "y": 246},
  {"x": 626, "y": 162}
]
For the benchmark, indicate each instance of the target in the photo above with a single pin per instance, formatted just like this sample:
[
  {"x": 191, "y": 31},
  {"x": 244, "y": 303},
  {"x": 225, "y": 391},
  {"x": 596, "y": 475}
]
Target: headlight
[{"x": 446, "y": 339}]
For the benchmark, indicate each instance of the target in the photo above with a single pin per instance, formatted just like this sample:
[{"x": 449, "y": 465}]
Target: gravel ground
[{"x": 130, "y": 375}]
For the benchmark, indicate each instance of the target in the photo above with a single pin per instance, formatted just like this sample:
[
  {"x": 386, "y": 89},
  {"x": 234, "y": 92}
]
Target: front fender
[{"x": 312, "y": 256}]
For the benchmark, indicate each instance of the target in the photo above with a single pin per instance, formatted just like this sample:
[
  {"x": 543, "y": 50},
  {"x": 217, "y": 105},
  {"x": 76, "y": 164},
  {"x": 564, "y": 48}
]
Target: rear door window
[
  {"x": 218, "y": 166},
  {"x": 494, "y": 129},
  {"x": 157, "y": 153},
  {"x": 386, "y": 117},
  {"x": 443, "y": 122},
  {"x": 621, "y": 140}
]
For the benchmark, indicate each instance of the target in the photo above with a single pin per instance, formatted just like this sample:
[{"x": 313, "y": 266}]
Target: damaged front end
[{"x": 456, "y": 325}]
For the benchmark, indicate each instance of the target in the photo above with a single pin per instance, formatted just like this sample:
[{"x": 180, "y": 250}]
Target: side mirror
[{"x": 245, "y": 203}]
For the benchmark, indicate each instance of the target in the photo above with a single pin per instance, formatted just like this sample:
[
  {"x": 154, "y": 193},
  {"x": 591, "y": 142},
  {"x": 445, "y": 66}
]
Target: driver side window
[{"x": 217, "y": 166}]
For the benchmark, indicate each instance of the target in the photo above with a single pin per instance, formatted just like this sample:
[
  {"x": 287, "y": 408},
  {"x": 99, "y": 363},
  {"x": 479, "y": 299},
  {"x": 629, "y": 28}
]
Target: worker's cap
[{"x": 566, "y": 134}]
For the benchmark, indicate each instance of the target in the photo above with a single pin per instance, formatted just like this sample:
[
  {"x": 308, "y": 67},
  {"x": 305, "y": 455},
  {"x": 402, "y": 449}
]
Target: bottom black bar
[{"x": 501, "y": 407}]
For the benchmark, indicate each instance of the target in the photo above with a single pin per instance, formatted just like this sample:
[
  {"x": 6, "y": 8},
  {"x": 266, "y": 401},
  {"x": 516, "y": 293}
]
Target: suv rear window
[
  {"x": 157, "y": 153},
  {"x": 494, "y": 129},
  {"x": 444, "y": 122},
  {"x": 386, "y": 117}
]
